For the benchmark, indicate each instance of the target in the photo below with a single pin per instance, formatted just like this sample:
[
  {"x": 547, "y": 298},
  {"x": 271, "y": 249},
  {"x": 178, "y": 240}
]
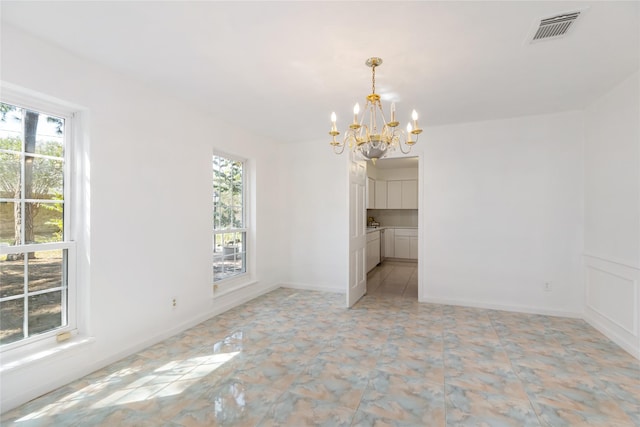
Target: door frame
[{"x": 422, "y": 297}]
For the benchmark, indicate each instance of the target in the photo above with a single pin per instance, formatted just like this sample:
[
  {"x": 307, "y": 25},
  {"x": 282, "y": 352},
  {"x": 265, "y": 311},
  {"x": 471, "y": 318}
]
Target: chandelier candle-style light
[{"x": 373, "y": 137}]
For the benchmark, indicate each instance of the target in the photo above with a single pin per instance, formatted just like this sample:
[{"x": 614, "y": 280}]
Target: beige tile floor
[
  {"x": 299, "y": 358},
  {"x": 399, "y": 278}
]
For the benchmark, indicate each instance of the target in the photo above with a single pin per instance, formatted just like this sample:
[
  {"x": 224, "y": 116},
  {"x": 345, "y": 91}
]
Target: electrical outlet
[
  {"x": 547, "y": 286},
  {"x": 174, "y": 302}
]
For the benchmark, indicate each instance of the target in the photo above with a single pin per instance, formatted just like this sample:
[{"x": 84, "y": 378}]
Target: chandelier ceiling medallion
[{"x": 373, "y": 137}]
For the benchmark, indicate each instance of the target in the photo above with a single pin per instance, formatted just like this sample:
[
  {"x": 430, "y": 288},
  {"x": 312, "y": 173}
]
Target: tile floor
[
  {"x": 299, "y": 358},
  {"x": 399, "y": 278}
]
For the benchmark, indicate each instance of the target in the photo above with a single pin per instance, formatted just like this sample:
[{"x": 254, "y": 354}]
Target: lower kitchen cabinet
[
  {"x": 402, "y": 247},
  {"x": 373, "y": 250},
  {"x": 406, "y": 243},
  {"x": 389, "y": 242}
]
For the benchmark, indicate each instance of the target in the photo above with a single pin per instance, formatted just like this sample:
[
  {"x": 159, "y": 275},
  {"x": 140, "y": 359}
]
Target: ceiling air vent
[{"x": 555, "y": 26}]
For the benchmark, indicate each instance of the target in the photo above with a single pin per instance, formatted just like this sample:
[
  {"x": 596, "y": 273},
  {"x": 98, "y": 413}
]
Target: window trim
[
  {"x": 239, "y": 279},
  {"x": 49, "y": 106}
]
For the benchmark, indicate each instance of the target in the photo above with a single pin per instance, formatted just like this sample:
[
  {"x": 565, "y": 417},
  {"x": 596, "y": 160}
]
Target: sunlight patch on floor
[
  {"x": 164, "y": 383},
  {"x": 168, "y": 380}
]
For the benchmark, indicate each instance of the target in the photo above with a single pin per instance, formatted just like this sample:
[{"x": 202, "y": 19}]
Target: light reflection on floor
[{"x": 170, "y": 379}]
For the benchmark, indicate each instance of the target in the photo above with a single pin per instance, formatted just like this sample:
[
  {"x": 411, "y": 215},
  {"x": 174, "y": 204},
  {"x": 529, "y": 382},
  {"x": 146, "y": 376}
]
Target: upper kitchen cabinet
[
  {"x": 396, "y": 183},
  {"x": 381, "y": 195},
  {"x": 394, "y": 195},
  {"x": 410, "y": 194},
  {"x": 402, "y": 194},
  {"x": 371, "y": 193}
]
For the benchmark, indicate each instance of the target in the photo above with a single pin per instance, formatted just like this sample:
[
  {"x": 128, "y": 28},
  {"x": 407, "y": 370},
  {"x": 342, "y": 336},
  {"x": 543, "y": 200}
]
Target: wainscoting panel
[
  {"x": 613, "y": 297},
  {"x": 612, "y": 301}
]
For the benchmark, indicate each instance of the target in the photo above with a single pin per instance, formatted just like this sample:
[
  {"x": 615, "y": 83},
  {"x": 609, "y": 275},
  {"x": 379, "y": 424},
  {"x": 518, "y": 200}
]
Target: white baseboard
[
  {"x": 234, "y": 298},
  {"x": 513, "y": 308},
  {"x": 308, "y": 287},
  {"x": 613, "y": 335}
]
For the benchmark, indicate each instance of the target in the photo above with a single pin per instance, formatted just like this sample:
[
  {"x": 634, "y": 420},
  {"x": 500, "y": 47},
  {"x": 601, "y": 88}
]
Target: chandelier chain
[{"x": 373, "y": 79}]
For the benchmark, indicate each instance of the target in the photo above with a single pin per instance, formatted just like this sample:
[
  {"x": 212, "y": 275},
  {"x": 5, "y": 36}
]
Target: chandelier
[{"x": 373, "y": 137}]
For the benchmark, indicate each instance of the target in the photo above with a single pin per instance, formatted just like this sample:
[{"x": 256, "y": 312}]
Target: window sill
[
  {"x": 18, "y": 361},
  {"x": 232, "y": 285}
]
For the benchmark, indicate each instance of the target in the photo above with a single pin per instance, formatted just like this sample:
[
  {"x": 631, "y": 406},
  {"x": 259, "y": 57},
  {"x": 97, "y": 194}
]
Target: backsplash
[{"x": 395, "y": 217}]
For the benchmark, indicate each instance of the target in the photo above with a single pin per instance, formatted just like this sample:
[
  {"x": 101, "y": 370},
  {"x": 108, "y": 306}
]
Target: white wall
[
  {"x": 150, "y": 211},
  {"x": 502, "y": 214},
  {"x": 612, "y": 214},
  {"x": 316, "y": 211}
]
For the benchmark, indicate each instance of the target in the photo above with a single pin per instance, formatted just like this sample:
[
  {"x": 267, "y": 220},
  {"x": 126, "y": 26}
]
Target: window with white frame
[
  {"x": 36, "y": 251},
  {"x": 229, "y": 218}
]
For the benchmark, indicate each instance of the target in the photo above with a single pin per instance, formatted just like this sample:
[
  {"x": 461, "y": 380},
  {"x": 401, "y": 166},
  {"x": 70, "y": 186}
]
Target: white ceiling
[{"x": 280, "y": 68}]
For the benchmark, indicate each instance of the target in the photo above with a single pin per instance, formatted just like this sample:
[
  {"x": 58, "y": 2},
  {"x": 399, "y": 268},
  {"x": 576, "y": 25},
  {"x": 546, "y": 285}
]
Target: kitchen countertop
[{"x": 372, "y": 229}]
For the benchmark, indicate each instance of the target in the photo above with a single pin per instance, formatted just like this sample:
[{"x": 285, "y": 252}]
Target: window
[
  {"x": 229, "y": 229},
  {"x": 36, "y": 253}
]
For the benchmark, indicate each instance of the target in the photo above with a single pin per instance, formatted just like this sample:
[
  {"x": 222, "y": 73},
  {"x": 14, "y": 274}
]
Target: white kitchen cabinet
[
  {"x": 402, "y": 194},
  {"x": 409, "y": 194},
  {"x": 401, "y": 247},
  {"x": 389, "y": 242},
  {"x": 380, "y": 195},
  {"x": 373, "y": 250},
  {"x": 406, "y": 243},
  {"x": 394, "y": 194},
  {"x": 371, "y": 193}
]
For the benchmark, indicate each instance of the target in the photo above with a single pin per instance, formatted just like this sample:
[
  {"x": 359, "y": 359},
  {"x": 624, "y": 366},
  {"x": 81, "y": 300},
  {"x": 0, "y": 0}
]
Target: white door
[{"x": 357, "y": 231}]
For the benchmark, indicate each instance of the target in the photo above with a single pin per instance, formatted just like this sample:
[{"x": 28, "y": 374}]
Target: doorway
[{"x": 394, "y": 199}]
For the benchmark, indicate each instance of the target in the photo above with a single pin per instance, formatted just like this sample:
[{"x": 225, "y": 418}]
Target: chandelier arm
[
  {"x": 402, "y": 135},
  {"x": 350, "y": 138},
  {"x": 339, "y": 147},
  {"x": 400, "y": 144}
]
